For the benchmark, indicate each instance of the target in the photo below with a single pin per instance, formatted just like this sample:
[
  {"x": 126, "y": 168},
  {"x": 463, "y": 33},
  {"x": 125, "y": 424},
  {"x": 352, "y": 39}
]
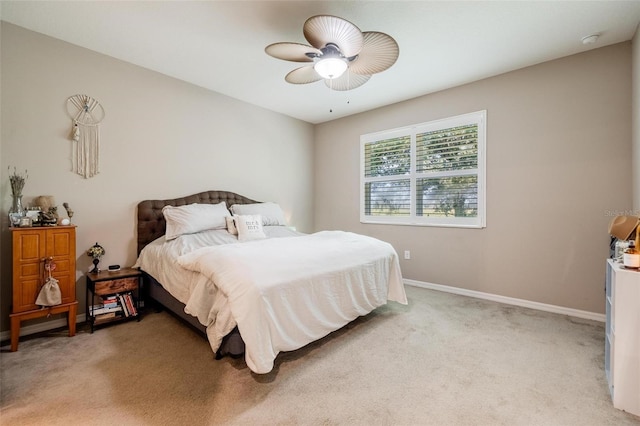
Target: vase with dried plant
[{"x": 17, "y": 181}]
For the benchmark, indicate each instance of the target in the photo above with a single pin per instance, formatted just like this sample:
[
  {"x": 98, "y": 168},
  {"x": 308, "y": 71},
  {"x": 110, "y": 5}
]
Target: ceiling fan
[{"x": 342, "y": 55}]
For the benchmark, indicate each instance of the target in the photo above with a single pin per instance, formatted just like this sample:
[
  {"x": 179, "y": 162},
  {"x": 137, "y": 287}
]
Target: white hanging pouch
[{"x": 50, "y": 294}]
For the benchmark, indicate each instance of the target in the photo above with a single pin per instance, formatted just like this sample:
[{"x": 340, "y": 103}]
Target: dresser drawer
[{"x": 116, "y": 286}]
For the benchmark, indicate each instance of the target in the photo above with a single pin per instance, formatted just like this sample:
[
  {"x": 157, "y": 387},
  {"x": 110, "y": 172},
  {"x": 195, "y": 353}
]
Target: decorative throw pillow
[
  {"x": 231, "y": 226},
  {"x": 194, "y": 218},
  {"x": 271, "y": 213},
  {"x": 249, "y": 227}
]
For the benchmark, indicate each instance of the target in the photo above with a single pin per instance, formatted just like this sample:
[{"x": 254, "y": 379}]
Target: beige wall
[
  {"x": 635, "y": 121},
  {"x": 161, "y": 138},
  {"x": 559, "y": 149},
  {"x": 558, "y": 161}
]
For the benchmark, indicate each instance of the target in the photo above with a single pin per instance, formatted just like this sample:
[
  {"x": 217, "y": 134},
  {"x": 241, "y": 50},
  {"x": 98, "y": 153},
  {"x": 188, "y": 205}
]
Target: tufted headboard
[{"x": 151, "y": 224}]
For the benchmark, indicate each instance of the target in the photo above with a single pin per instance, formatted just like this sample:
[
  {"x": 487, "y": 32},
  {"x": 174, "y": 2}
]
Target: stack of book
[
  {"x": 128, "y": 305},
  {"x": 106, "y": 311},
  {"x": 114, "y": 307}
]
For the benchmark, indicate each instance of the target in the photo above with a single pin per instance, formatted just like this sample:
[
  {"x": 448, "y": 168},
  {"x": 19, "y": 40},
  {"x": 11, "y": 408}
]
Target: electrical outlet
[{"x": 407, "y": 255}]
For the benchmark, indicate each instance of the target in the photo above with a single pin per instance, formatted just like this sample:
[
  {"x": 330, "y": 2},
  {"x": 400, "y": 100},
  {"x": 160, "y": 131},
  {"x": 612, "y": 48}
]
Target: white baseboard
[
  {"x": 509, "y": 300},
  {"x": 62, "y": 322},
  {"x": 43, "y": 326}
]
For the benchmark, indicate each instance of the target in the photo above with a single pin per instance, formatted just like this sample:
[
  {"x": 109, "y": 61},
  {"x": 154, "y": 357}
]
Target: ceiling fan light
[{"x": 330, "y": 68}]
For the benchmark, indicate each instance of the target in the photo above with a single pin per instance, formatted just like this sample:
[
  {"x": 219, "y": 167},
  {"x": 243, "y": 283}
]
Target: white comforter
[
  {"x": 284, "y": 293},
  {"x": 325, "y": 286},
  {"x": 201, "y": 297}
]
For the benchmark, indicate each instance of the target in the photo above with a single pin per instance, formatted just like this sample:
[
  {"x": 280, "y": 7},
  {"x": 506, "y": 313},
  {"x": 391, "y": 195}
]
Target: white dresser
[{"x": 622, "y": 340}]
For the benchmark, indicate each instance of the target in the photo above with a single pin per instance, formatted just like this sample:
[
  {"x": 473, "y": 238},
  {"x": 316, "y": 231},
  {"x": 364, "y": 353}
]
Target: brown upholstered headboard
[{"x": 151, "y": 224}]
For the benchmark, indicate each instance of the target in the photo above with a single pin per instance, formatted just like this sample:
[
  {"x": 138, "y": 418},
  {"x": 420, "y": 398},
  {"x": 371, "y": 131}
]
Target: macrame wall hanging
[{"x": 86, "y": 113}]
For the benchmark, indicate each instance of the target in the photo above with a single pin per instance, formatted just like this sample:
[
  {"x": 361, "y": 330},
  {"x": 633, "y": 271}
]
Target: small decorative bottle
[
  {"x": 620, "y": 247},
  {"x": 631, "y": 257}
]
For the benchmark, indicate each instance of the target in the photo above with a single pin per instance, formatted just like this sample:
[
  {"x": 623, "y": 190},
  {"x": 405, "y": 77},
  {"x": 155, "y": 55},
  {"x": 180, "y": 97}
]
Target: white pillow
[
  {"x": 231, "y": 226},
  {"x": 271, "y": 213},
  {"x": 194, "y": 218},
  {"x": 249, "y": 227}
]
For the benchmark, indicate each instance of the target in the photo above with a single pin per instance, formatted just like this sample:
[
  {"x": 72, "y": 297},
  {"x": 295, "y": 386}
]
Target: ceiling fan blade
[
  {"x": 303, "y": 75},
  {"x": 295, "y": 52},
  {"x": 322, "y": 29},
  {"x": 380, "y": 51},
  {"x": 347, "y": 81}
]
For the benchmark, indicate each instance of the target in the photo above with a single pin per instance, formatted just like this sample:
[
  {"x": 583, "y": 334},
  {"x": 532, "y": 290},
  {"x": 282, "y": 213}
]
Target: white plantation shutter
[
  {"x": 387, "y": 163},
  {"x": 427, "y": 174},
  {"x": 448, "y": 160},
  {"x": 447, "y": 149}
]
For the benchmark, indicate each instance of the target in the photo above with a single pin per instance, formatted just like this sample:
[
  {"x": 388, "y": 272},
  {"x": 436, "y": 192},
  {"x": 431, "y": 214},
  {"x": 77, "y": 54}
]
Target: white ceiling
[{"x": 220, "y": 45}]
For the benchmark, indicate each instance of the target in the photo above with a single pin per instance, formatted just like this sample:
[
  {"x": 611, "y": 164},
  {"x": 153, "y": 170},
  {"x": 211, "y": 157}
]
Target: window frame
[{"x": 478, "y": 118}]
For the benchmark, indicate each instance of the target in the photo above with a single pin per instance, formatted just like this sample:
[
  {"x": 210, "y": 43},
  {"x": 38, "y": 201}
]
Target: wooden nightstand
[{"x": 113, "y": 296}]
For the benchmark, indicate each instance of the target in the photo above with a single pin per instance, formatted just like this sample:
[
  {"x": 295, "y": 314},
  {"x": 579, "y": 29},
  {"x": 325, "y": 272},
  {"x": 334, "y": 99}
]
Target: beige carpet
[{"x": 443, "y": 360}]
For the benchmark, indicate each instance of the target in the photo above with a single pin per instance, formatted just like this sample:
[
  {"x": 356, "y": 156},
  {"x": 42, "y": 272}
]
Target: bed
[{"x": 266, "y": 290}]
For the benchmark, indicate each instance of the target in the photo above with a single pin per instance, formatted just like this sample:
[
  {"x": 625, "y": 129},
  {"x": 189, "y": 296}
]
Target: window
[{"x": 427, "y": 174}]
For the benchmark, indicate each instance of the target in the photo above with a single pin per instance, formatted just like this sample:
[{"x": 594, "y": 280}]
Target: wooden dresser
[{"x": 31, "y": 246}]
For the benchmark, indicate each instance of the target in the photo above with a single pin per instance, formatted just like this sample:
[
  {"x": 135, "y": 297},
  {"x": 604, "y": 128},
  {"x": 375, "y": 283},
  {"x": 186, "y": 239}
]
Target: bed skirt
[{"x": 232, "y": 344}]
